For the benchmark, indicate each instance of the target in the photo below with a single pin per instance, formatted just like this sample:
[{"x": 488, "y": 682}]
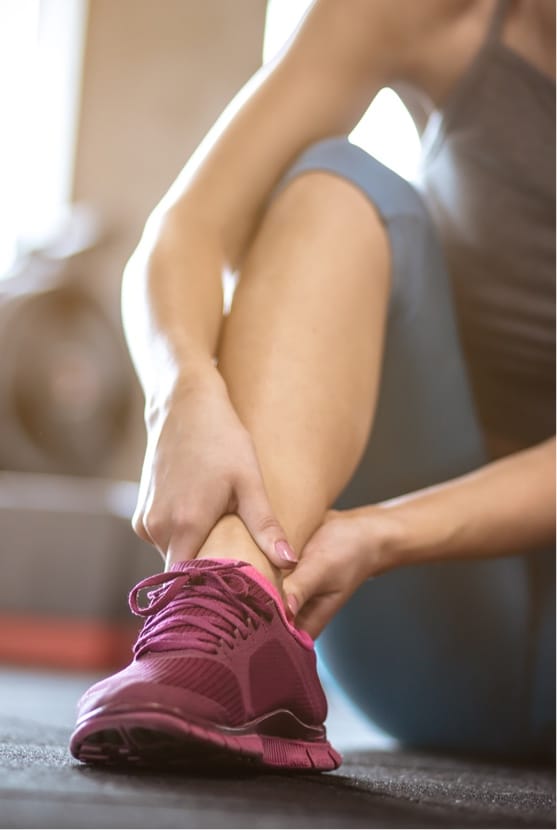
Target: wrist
[
  {"x": 417, "y": 529},
  {"x": 384, "y": 538},
  {"x": 199, "y": 377},
  {"x": 401, "y": 535}
]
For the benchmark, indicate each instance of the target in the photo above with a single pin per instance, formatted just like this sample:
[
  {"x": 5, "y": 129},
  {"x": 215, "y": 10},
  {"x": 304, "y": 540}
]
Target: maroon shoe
[{"x": 219, "y": 676}]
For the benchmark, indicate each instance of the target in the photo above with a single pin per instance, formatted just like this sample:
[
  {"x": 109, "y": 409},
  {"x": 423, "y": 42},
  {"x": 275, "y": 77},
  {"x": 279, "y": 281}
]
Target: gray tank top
[{"x": 488, "y": 177}]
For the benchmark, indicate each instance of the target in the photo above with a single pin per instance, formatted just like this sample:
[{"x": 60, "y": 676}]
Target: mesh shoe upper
[{"x": 216, "y": 645}]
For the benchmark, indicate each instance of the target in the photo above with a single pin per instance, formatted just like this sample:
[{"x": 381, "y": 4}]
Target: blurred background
[{"x": 102, "y": 102}]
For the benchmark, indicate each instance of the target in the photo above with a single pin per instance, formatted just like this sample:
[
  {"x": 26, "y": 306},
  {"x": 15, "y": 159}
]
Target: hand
[
  {"x": 348, "y": 548},
  {"x": 200, "y": 464}
]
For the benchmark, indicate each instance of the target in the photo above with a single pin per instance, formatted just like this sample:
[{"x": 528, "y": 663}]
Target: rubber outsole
[{"x": 162, "y": 739}]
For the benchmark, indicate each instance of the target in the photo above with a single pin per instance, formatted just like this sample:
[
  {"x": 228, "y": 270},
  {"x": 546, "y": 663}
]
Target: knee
[
  {"x": 318, "y": 202},
  {"x": 396, "y": 203},
  {"x": 391, "y": 195}
]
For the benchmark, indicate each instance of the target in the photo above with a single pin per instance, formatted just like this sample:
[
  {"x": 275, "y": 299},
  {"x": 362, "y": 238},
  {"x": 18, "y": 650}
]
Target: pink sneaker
[{"x": 219, "y": 676}]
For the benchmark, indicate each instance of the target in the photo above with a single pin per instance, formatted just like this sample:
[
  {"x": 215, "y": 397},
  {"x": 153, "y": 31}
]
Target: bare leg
[{"x": 301, "y": 353}]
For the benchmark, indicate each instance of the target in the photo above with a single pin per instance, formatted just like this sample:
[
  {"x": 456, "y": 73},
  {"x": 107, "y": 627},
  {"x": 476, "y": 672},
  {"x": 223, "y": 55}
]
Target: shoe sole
[{"x": 147, "y": 738}]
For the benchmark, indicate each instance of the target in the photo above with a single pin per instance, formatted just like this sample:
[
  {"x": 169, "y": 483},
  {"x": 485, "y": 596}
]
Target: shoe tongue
[
  {"x": 246, "y": 569},
  {"x": 260, "y": 587},
  {"x": 197, "y": 564}
]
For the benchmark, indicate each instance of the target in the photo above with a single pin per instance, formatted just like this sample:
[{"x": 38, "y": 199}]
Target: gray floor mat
[{"x": 41, "y": 786}]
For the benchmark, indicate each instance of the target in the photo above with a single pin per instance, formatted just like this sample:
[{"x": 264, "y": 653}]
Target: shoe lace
[{"x": 213, "y": 605}]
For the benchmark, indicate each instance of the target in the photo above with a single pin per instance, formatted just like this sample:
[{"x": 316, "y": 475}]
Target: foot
[{"x": 219, "y": 676}]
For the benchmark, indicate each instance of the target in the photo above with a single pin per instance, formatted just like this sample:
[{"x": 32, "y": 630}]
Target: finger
[
  {"x": 317, "y": 613},
  {"x": 178, "y": 532},
  {"x": 189, "y": 533},
  {"x": 256, "y": 513},
  {"x": 139, "y": 527},
  {"x": 304, "y": 583},
  {"x": 141, "y": 531}
]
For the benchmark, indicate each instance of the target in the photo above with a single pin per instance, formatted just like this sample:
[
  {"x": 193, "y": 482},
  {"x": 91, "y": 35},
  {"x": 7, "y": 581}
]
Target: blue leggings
[{"x": 454, "y": 656}]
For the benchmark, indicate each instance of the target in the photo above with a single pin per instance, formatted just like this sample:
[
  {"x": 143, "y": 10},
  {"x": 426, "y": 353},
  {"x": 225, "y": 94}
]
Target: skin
[
  {"x": 255, "y": 421},
  {"x": 456, "y": 520}
]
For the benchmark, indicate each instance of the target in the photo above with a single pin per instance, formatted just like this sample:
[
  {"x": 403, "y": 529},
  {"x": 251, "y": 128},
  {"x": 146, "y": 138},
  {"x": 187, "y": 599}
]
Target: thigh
[{"x": 451, "y": 654}]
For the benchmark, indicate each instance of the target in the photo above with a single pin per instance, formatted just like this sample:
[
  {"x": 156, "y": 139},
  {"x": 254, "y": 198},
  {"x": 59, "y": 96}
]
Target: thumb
[
  {"x": 256, "y": 513},
  {"x": 304, "y": 583},
  {"x": 309, "y": 597}
]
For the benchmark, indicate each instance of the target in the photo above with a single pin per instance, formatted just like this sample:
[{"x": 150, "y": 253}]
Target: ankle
[{"x": 230, "y": 539}]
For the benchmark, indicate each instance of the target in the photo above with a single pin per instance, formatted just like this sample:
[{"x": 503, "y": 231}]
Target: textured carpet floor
[{"x": 42, "y": 787}]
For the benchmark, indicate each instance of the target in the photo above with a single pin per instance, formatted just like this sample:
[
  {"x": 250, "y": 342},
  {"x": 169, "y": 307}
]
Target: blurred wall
[{"x": 156, "y": 75}]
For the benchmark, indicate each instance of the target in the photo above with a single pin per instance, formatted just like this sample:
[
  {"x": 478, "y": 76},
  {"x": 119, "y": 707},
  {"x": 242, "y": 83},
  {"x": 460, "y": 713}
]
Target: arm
[
  {"x": 504, "y": 508},
  {"x": 172, "y": 299},
  {"x": 199, "y": 464}
]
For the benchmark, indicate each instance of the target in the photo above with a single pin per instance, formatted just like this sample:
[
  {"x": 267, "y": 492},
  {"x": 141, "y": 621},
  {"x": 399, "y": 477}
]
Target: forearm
[
  {"x": 504, "y": 508},
  {"x": 172, "y": 306}
]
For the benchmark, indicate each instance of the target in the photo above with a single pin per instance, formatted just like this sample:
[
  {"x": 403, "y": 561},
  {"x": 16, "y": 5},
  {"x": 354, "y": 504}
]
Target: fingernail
[
  {"x": 285, "y": 551},
  {"x": 293, "y": 604}
]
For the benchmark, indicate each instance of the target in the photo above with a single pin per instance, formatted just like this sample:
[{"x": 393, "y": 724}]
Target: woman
[{"x": 389, "y": 352}]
